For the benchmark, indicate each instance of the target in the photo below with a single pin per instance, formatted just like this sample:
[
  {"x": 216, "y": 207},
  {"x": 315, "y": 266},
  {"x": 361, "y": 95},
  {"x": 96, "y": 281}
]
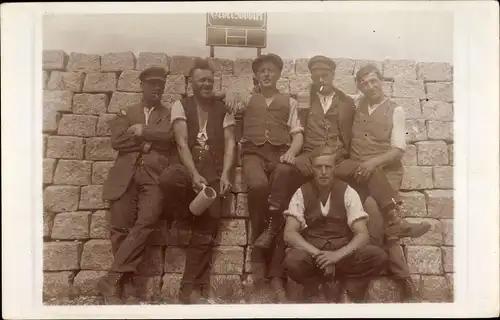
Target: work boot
[
  {"x": 278, "y": 287},
  {"x": 333, "y": 290},
  {"x": 265, "y": 240},
  {"x": 399, "y": 228},
  {"x": 210, "y": 294},
  {"x": 131, "y": 292},
  {"x": 311, "y": 294},
  {"x": 109, "y": 287},
  {"x": 408, "y": 291}
]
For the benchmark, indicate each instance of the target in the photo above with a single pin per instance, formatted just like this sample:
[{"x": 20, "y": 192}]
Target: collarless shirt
[
  {"x": 147, "y": 114},
  {"x": 326, "y": 101}
]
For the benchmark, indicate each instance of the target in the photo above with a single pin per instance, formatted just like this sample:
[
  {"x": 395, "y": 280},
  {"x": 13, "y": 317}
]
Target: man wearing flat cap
[
  {"x": 142, "y": 136},
  {"x": 271, "y": 139}
]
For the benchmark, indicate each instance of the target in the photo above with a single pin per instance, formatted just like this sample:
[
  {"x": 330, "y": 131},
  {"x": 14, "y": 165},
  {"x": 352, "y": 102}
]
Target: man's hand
[
  {"x": 225, "y": 184},
  {"x": 365, "y": 170},
  {"x": 136, "y": 129},
  {"x": 199, "y": 182},
  {"x": 327, "y": 258},
  {"x": 288, "y": 157}
]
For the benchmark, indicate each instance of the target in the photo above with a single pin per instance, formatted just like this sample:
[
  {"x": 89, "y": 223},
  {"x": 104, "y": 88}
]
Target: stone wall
[{"x": 83, "y": 91}]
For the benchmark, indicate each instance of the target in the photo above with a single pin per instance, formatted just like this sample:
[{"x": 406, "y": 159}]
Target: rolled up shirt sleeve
[
  {"x": 228, "y": 121},
  {"x": 177, "y": 112},
  {"x": 353, "y": 206},
  {"x": 296, "y": 209},
  {"x": 398, "y": 133},
  {"x": 293, "y": 119}
]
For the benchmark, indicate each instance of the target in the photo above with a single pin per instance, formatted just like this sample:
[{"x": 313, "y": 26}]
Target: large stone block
[
  {"x": 61, "y": 198},
  {"x": 443, "y": 177},
  {"x": 441, "y": 91},
  {"x": 228, "y": 260},
  {"x": 93, "y": 104},
  {"x": 51, "y": 120},
  {"x": 400, "y": 70},
  {"x": 65, "y": 147},
  {"x": 56, "y": 284},
  {"x": 301, "y": 66},
  {"x": 175, "y": 258},
  {"x": 283, "y": 85},
  {"x": 228, "y": 288},
  {"x": 345, "y": 83},
  {"x": 57, "y": 100},
  {"x": 447, "y": 231},
  {"x": 344, "y": 66},
  {"x": 99, "y": 149},
  {"x": 234, "y": 83},
  {"x": 435, "y": 289},
  {"x": 61, "y": 256},
  {"x": 451, "y": 283},
  {"x": 152, "y": 59},
  {"x": 448, "y": 259},
  {"x": 46, "y": 75},
  {"x": 414, "y": 204},
  {"x": 84, "y": 62},
  {"x": 122, "y": 100},
  {"x": 424, "y": 259},
  {"x": 383, "y": 290},
  {"x": 232, "y": 233},
  {"x": 168, "y": 99},
  {"x": 416, "y": 130},
  {"x": 221, "y": 66},
  {"x": 417, "y": 178},
  {"x": 387, "y": 88},
  {"x": 437, "y": 110},
  {"x": 100, "y": 170},
  {"x": 440, "y": 130},
  {"x": 288, "y": 68},
  {"x": 54, "y": 59},
  {"x": 97, "y": 255},
  {"x": 77, "y": 125},
  {"x": 48, "y": 170},
  {"x": 66, "y": 81},
  {"x": 100, "y": 82},
  {"x": 410, "y": 156},
  {"x": 118, "y": 61},
  {"x": 129, "y": 81},
  {"x": 432, "y": 153},
  {"x": 99, "y": 226},
  {"x": 434, "y": 71},
  {"x": 450, "y": 153},
  {"x": 411, "y": 106},
  {"x": 73, "y": 172},
  {"x": 91, "y": 198},
  {"x": 181, "y": 65},
  {"x": 434, "y": 237},
  {"x": 152, "y": 264},
  {"x": 300, "y": 83},
  {"x": 439, "y": 203},
  {"x": 85, "y": 283},
  {"x": 103, "y": 127},
  {"x": 239, "y": 184},
  {"x": 175, "y": 83},
  {"x": 241, "y": 209},
  {"x": 170, "y": 288},
  {"x": 243, "y": 66},
  {"x": 48, "y": 221},
  {"x": 71, "y": 225},
  {"x": 408, "y": 89}
]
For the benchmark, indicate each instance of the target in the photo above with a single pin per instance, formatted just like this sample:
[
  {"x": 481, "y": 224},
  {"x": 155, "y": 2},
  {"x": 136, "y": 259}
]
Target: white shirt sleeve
[
  {"x": 353, "y": 206},
  {"x": 296, "y": 208},
  {"x": 177, "y": 112},
  {"x": 293, "y": 120},
  {"x": 228, "y": 120},
  {"x": 398, "y": 133}
]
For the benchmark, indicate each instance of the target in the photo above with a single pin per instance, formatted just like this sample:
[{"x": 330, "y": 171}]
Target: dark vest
[
  {"x": 331, "y": 228},
  {"x": 263, "y": 124}
]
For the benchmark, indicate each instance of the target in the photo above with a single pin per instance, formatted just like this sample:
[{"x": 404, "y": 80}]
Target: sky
[{"x": 422, "y": 36}]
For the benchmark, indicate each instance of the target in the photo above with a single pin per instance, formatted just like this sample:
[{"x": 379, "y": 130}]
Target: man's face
[
  {"x": 268, "y": 74},
  {"x": 323, "y": 169},
  {"x": 202, "y": 82},
  {"x": 322, "y": 76},
  {"x": 152, "y": 90},
  {"x": 371, "y": 86}
]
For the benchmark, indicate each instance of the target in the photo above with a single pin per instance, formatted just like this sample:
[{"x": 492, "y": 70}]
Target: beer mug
[{"x": 203, "y": 200}]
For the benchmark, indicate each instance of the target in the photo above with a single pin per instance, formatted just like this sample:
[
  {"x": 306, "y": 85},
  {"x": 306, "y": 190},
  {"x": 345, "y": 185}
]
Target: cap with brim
[
  {"x": 153, "y": 73},
  {"x": 275, "y": 59},
  {"x": 321, "y": 62}
]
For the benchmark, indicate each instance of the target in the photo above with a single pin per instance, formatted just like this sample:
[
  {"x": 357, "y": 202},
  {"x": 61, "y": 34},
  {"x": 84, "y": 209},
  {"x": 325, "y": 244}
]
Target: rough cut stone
[
  {"x": 77, "y": 125},
  {"x": 442, "y": 91},
  {"x": 301, "y": 66},
  {"x": 91, "y": 198},
  {"x": 248, "y": 260},
  {"x": 228, "y": 288},
  {"x": 99, "y": 226},
  {"x": 66, "y": 81},
  {"x": 57, "y": 100},
  {"x": 410, "y": 156},
  {"x": 61, "y": 256},
  {"x": 424, "y": 260},
  {"x": 221, "y": 66},
  {"x": 447, "y": 231},
  {"x": 345, "y": 83},
  {"x": 411, "y": 106},
  {"x": 122, "y": 100},
  {"x": 71, "y": 225},
  {"x": 84, "y": 62},
  {"x": 97, "y": 255},
  {"x": 416, "y": 130},
  {"x": 344, "y": 66},
  {"x": 176, "y": 83},
  {"x": 288, "y": 68},
  {"x": 152, "y": 264},
  {"x": 241, "y": 205},
  {"x": 432, "y": 153},
  {"x": 435, "y": 289},
  {"x": 400, "y": 69},
  {"x": 48, "y": 170},
  {"x": 175, "y": 258},
  {"x": 408, "y": 89},
  {"x": 48, "y": 221},
  {"x": 239, "y": 184},
  {"x": 93, "y": 104},
  {"x": 234, "y": 83},
  {"x": 99, "y": 149},
  {"x": 414, "y": 204},
  {"x": 283, "y": 85},
  {"x": 437, "y": 110},
  {"x": 100, "y": 170},
  {"x": 450, "y": 153},
  {"x": 300, "y": 83},
  {"x": 100, "y": 82},
  {"x": 416, "y": 178},
  {"x": 243, "y": 66},
  {"x": 361, "y": 63},
  {"x": 232, "y": 233},
  {"x": 117, "y": 61},
  {"x": 434, "y": 237},
  {"x": 383, "y": 290},
  {"x": 440, "y": 130},
  {"x": 434, "y": 71},
  {"x": 61, "y": 198},
  {"x": 168, "y": 99},
  {"x": 449, "y": 278},
  {"x": 51, "y": 120},
  {"x": 129, "y": 81},
  {"x": 153, "y": 59},
  {"x": 387, "y": 88},
  {"x": 65, "y": 147},
  {"x": 148, "y": 288},
  {"x": 46, "y": 75},
  {"x": 103, "y": 128},
  {"x": 170, "y": 287},
  {"x": 439, "y": 203},
  {"x": 181, "y": 65},
  {"x": 447, "y": 259},
  {"x": 443, "y": 177},
  {"x": 228, "y": 260},
  {"x": 73, "y": 172},
  {"x": 56, "y": 284},
  {"x": 54, "y": 59},
  {"x": 86, "y": 281}
]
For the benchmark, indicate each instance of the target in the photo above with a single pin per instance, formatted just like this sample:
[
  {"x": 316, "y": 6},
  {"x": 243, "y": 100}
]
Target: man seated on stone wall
[
  {"x": 142, "y": 136},
  {"x": 204, "y": 135},
  {"x": 272, "y": 137},
  {"x": 326, "y": 228}
]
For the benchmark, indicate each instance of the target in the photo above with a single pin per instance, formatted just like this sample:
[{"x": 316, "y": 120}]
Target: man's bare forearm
[
  {"x": 296, "y": 240},
  {"x": 358, "y": 241},
  {"x": 229, "y": 149},
  {"x": 186, "y": 157},
  {"x": 297, "y": 142}
]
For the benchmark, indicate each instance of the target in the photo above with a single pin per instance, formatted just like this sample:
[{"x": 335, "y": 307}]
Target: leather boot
[
  {"x": 109, "y": 287},
  {"x": 277, "y": 286},
  {"x": 408, "y": 291},
  {"x": 131, "y": 291},
  {"x": 265, "y": 240},
  {"x": 333, "y": 290},
  {"x": 399, "y": 228}
]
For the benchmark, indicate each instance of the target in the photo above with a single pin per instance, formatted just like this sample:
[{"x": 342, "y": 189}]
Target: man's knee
[
  {"x": 257, "y": 185},
  {"x": 285, "y": 170},
  {"x": 296, "y": 261},
  {"x": 375, "y": 222},
  {"x": 175, "y": 176},
  {"x": 376, "y": 255}
]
